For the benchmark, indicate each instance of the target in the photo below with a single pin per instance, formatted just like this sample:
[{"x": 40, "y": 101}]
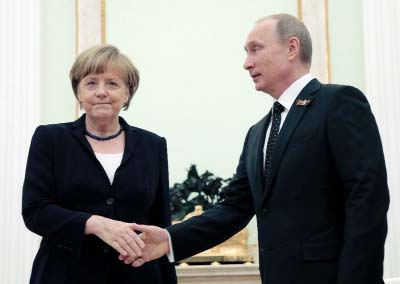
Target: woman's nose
[{"x": 101, "y": 90}]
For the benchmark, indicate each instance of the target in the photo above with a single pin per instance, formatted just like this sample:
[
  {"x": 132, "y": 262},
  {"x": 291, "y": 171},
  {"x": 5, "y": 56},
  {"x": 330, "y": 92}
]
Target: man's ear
[{"x": 293, "y": 48}]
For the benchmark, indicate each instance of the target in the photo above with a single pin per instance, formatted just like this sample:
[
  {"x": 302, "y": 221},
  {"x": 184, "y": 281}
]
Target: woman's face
[{"x": 103, "y": 95}]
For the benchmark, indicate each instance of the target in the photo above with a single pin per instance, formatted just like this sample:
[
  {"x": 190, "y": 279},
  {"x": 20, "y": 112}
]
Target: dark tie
[{"x": 277, "y": 109}]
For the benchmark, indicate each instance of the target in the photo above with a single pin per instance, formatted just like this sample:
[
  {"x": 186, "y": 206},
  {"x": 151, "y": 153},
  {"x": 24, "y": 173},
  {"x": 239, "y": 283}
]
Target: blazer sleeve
[
  {"x": 219, "y": 223},
  {"x": 41, "y": 213},
  {"x": 160, "y": 214},
  {"x": 357, "y": 150}
]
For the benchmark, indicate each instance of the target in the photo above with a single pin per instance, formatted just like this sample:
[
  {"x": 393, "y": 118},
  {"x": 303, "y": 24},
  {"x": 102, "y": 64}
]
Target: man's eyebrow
[{"x": 248, "y": 44}]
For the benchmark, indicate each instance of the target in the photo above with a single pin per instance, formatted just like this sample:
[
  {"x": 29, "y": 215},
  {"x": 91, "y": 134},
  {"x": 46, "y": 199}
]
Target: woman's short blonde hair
[{"x": 98, "y": 59}]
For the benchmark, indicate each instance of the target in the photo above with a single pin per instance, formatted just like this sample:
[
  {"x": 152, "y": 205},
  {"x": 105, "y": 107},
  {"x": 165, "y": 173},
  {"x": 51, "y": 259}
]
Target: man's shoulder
[
  {"x": 333, "y": 92},
  {"x": 339, "y": 88}
]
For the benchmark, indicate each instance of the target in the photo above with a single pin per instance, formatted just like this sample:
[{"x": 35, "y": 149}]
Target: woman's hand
[{"x": 117, "y": 234}]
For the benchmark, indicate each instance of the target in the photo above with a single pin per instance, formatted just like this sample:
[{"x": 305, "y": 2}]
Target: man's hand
[{"x": 156, "y": 245}]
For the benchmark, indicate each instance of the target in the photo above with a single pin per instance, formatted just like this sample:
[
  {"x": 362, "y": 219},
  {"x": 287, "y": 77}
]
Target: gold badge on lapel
[{"x": 302, "y": 102}]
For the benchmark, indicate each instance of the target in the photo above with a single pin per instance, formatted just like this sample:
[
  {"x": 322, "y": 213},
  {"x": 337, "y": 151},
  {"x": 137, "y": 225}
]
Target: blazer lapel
[
  {"x": 292, "y": 120},
  {"x": 131, "y": 138},
  {"x": 78, "y": 130}
]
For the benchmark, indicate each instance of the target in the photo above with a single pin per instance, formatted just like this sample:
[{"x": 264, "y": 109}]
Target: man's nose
[{"x": 248, "y": 63}]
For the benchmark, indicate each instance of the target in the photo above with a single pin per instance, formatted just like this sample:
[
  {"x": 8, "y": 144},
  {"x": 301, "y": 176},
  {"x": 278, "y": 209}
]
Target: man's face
[{"x": 267, "y": 60}]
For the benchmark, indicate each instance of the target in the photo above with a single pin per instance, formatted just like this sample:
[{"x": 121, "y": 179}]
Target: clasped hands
[
  {"x": 134, "y": 249},
  {"x": 156, "y": 242}
]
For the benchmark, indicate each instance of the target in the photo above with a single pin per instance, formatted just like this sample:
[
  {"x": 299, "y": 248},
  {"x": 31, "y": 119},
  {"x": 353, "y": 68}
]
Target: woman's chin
[{"x": 101, "y": 114}]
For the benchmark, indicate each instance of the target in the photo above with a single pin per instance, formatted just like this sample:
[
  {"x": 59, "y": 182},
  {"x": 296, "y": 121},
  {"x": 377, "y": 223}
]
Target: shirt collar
[{"x": 290, "y": 94}]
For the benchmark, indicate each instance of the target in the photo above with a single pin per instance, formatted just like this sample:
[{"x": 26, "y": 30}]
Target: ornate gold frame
[
  {"x": 328, "y": 51},
  {"x": 103, "y": 34}
]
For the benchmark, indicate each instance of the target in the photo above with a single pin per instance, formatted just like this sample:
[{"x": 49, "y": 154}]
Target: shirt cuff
[{"x": 170, "y": 255}]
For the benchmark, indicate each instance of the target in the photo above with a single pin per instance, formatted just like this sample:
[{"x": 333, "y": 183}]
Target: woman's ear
[{"x": 126, "y": 97}]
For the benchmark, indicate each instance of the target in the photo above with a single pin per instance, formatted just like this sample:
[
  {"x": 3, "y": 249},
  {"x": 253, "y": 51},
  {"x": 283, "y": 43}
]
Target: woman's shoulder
[
  {"x": 145, "y": 133},
  {"x": 49, "y": 129}
]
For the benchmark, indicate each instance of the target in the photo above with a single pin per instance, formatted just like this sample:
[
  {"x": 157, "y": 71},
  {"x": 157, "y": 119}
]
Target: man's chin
[{"x": 259, "y": 87}]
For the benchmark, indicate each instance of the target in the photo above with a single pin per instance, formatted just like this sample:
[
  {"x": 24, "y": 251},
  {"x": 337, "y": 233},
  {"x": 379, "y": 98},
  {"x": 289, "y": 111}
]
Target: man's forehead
[
  {"x": 260, "y": 31},
  {"x": 264, "y": 25}
]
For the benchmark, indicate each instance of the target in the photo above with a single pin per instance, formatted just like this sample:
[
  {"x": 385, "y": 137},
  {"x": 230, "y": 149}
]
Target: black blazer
[
  {"x": 65, "y": 184},
  {"x": 321, "y": 216}
]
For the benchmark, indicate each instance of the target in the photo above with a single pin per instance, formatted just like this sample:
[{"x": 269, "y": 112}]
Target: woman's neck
[{"x": 102, "y": 127}]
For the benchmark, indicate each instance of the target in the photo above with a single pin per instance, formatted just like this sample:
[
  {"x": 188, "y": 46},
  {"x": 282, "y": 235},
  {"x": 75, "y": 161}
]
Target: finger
[
  {"x": 137, "y": 239},
  {"x": 119, "y": 249},
  {"x": 140, "y": 228},
  {"x": 122, "y": 257},
  {"x": 129, "y": 259},
  {"x": 138, "y": 262},
  {"x": 126, "y": 246},
  {"x": 133, "y": 246}
]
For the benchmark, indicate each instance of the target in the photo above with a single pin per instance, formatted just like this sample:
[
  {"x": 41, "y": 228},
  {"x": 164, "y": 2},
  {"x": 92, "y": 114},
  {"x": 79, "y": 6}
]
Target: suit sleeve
[
  {"x": 161, "y": 212},
  {"x": 357, "y": 150},
  {"x": 218, "y": 223},
  {"x": 41, "y": 213}
]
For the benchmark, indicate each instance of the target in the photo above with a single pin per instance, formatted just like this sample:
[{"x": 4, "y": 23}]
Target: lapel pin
[{"x": 302, "y": 102}]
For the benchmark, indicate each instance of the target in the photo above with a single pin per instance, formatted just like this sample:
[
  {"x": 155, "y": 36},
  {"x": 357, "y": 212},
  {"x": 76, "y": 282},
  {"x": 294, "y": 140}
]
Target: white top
[
  {"x": 286, "y": 100},
  {"x": 110, "y": 163}
]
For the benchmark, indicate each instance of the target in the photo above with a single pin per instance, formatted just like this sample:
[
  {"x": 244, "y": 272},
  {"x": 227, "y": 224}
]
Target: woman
[{"x": 87, "y": 181}]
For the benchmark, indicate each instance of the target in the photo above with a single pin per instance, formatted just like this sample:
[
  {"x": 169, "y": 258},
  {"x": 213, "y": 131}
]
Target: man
[{"x": 312, "y": 171}]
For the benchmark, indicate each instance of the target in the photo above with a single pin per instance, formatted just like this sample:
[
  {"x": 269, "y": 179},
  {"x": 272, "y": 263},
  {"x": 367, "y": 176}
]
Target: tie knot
[{"x": 278, "y": 108}]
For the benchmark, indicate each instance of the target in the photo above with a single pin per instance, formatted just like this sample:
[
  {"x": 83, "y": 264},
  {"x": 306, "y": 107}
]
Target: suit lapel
[
  {"x": 292, "y": 120},
  {"x": 256, "y": 158}
]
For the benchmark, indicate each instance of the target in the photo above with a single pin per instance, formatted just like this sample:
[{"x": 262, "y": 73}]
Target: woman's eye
[
  {"x": 113, "y": 84},
  {"x": 91, "y": 83}
]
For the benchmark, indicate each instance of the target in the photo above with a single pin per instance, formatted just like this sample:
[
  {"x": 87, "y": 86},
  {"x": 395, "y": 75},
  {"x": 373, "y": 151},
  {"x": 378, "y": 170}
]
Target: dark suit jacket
[
  {"x": 65, "y": 184},
  {"x": 321, "y": 216}
]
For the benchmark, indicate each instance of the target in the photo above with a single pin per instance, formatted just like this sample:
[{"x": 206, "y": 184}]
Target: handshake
[
  {"x": 134, "y": 249},
  {"x": 151, "y": 244}
]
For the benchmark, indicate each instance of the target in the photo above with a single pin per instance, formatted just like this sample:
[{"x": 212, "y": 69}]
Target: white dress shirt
[{"x": 286, "y": 100}]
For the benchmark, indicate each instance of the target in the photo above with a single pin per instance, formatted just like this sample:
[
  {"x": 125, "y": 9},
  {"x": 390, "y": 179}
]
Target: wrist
[
  {"x": 93, "y": 225},
  {"x": 167, "y": 242}
]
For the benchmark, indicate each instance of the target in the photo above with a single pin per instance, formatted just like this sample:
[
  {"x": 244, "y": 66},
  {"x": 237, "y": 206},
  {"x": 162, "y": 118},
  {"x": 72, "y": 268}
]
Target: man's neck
[{"x": 290, "y": 79}]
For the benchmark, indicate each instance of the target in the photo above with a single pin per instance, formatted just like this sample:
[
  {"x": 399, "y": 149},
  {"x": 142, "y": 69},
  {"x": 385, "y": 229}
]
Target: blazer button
[
  {"x": 110, "y": 201},
  {"x": 265, "y": 212},
  {"x": 106, "y": 250}
]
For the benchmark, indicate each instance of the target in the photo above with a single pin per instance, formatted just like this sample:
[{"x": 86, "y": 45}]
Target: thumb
[{"x": 140, "y": 228}]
